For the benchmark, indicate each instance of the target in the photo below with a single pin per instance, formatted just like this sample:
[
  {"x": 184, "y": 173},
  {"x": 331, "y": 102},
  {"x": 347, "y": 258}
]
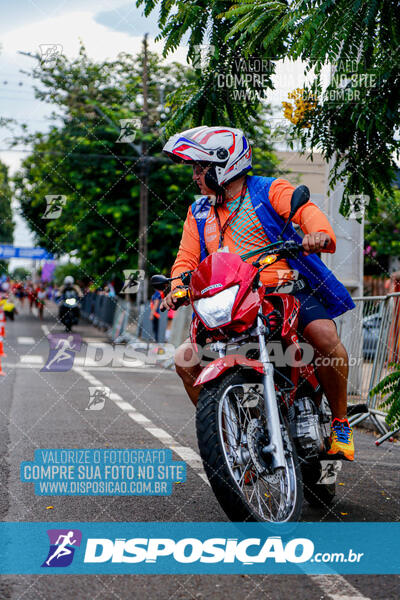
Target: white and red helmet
[{"x": 224, "y": 148}]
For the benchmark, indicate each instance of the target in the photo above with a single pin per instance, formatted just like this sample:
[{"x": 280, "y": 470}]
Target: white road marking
[
  {"x": 139, "y": 418},
  {"x": 45, "y": 330},
  {"x": 187, "y": 454},
  {"x": 83, "y": 361},
  {"x": 28, "y": 341},
  {"x": 337, "y": 587},
  {"x": 27, "y": 363},
  {"x": 33, "y": 359}
]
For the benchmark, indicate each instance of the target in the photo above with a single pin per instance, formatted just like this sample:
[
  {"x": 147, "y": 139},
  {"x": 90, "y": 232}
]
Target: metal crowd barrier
[
  {"x": 371, "y": 335},
  {"x": 99, "y": 309}
]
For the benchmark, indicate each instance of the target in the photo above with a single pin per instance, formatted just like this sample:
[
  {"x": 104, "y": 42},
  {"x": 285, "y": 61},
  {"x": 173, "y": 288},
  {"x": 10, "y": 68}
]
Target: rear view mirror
[
  {"x": 159, "y": 282},
  {"x": 300, "y": 196}
]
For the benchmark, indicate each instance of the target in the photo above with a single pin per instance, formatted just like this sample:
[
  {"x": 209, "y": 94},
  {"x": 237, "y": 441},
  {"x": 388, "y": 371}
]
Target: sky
[{"x": 106, "y": 27}]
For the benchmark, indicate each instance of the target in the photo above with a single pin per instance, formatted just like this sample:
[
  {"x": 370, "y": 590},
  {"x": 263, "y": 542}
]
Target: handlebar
[
  {"x": 182, "y": 294},
  {"x": 285, "y": 249},
  {"x": 288, "y": 249}
]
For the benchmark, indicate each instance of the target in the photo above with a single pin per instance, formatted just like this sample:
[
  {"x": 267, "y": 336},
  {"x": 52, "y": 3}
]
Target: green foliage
[
  {"x": 390, "y": 386},
  {"x": 204, "y": 99},
  {"x": 61, "y": 271},
  {"x": 6, "y": 222},
  {"x": 20, "y": 274},
  {"x": 382, "y": 229},
  {"x": 357, "y": 116},
  {"x": 81, "y": 159}
]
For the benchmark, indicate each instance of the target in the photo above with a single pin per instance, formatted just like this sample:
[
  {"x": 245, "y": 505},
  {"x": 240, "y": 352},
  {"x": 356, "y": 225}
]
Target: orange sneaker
[{"x": 341, "y": 440}]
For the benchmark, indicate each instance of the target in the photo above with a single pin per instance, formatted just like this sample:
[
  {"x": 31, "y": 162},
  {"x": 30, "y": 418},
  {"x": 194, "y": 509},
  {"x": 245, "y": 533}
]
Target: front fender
[{"x": 220, "y": 365}]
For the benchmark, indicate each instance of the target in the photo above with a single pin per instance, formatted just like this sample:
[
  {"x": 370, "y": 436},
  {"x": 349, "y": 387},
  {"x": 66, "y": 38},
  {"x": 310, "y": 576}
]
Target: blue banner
[
  {"x": 205, "y": 548},
  {"x": 8, "y": 251}
]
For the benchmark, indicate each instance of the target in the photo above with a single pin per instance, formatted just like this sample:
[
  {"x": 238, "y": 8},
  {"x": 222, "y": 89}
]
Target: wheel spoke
[{"x": 239, "y": 427}]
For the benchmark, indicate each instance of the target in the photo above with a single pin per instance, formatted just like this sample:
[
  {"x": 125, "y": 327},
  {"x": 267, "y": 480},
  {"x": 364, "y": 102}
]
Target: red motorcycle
[{"x": 262, "y": 430}]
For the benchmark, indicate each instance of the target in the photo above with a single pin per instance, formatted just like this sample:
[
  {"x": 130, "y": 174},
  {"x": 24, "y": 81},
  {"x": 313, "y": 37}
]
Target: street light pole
[
  {"x": 144, "y": 188},
  {"x": 144, "y": 163}
]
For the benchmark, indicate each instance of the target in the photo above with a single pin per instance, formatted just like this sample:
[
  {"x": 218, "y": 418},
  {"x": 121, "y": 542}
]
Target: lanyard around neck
[{"x": 231, "y": 216}]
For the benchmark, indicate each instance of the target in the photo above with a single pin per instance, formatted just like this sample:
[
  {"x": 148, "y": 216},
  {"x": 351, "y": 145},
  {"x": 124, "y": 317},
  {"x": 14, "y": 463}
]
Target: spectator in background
[
  {"x": 5, "y": 284},
  {"x": 171, "y": 315},
  {"x": 155, "y": 305}
]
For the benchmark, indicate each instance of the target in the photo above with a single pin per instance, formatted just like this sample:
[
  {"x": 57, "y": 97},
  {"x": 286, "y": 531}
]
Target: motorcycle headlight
[
  {"x": 216, "y": 310},
  {"x": 70, "y": 301}
]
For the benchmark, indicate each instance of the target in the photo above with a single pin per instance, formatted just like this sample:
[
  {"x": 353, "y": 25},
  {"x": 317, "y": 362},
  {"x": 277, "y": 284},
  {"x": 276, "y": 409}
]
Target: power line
[{"x": 137, "y": 158}]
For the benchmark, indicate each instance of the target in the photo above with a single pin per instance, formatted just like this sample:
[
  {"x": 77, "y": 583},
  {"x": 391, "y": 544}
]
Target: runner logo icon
[
  {"x": 62, "y": 351},
  {"x": 63, "y": 543}
]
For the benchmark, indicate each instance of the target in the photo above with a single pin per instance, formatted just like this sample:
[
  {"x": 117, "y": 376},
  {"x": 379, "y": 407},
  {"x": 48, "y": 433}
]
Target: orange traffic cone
[
  {"x": 1, "y": 369},
  {"x": 2, "y": 353},
  {"x": 2, "y": 324}
]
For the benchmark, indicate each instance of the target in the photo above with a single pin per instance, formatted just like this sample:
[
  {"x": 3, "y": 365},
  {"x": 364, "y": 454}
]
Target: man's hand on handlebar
[
  {"x": 315, "y": 242},
  {"x": 175, "y": 299}
]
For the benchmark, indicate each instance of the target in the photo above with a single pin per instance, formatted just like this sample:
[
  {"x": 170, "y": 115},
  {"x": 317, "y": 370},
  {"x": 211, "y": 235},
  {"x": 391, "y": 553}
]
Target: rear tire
[
  {"x": 228, "y": 489},
  {"x": 317, "y": 495}
]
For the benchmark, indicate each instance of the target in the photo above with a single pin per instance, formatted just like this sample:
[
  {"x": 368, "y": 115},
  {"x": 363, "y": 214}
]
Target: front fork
[{"x": 275, "y": 446}]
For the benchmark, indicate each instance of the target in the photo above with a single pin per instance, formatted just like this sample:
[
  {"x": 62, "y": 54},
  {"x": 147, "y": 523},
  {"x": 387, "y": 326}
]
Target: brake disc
[{"x": 255, "y": 441}]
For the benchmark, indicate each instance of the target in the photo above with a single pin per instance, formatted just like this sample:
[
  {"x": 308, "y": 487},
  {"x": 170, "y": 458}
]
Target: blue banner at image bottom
[{"x": 212, "y": 548}]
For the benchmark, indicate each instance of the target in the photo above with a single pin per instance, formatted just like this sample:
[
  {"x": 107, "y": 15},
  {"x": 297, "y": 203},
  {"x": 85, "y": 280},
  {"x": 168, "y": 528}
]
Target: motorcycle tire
[
  {"x": 318, "y": 495},
  {"x": 211, "y": 446}
]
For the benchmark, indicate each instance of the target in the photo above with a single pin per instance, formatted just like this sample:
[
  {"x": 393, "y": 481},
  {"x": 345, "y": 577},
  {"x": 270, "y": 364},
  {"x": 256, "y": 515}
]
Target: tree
[
  {"x": 357, "y": 117},
  {"x": 92, "y": 178},
  {"x": 6, "y": 222},
  {"x": 20, "y": 274},
  {"x": 382, "y": 234},
  {"x": 218, "y": 93},
  {"x": 61, "y": 272},
  {"x": 354, "y": 120}
]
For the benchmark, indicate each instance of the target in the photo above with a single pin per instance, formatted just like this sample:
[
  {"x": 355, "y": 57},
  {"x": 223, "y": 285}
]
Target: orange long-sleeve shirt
[{"x": 245, "y": 232}]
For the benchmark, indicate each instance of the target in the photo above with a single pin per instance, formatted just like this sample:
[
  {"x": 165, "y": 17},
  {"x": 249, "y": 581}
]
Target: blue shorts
[{"x": 311, "y": 309}]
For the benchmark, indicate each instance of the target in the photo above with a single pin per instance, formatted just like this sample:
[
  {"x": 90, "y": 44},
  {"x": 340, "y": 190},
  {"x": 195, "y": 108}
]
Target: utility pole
[
  {"x": 144, "y": 188},
  {"x": 144, "y": 162}
]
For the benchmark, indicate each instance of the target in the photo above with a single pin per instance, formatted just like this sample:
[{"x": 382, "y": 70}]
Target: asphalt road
[{"x": 47, "y": 410}]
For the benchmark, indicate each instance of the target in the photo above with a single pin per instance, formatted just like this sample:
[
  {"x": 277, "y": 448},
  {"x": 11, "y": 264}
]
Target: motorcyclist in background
[
  {"x": 69, "y": 308},
  {"x": 69, "y": 284}
]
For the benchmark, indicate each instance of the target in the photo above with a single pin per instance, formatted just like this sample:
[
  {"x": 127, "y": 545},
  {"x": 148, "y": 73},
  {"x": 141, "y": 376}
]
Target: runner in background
[
  {"x": 31, "y": 293},
  {"x": 155, "y": 304},
  {"x": 41, "y": 294}
]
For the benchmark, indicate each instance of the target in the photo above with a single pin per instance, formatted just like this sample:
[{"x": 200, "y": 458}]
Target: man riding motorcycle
[
  {"x": 221, "y": 158},
  {"x": 69, "y": 313}
]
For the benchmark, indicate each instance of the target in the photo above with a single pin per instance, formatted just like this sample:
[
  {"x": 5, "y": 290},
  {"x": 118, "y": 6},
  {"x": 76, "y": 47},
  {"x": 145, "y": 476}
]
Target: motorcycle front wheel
[{"x": 231, "y": 432}]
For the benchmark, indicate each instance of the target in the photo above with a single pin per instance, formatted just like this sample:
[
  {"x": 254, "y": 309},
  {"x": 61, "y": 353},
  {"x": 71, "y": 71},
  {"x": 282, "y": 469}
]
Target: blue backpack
[{"x": 327, "y": 288}]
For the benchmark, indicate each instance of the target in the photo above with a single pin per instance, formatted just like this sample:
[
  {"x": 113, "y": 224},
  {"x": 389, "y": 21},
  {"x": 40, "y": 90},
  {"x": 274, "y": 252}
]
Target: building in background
[{"x": 348, "y": 260}]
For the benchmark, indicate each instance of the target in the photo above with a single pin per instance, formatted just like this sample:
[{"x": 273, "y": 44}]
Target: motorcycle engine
[{"x": 307, "y": 428}]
